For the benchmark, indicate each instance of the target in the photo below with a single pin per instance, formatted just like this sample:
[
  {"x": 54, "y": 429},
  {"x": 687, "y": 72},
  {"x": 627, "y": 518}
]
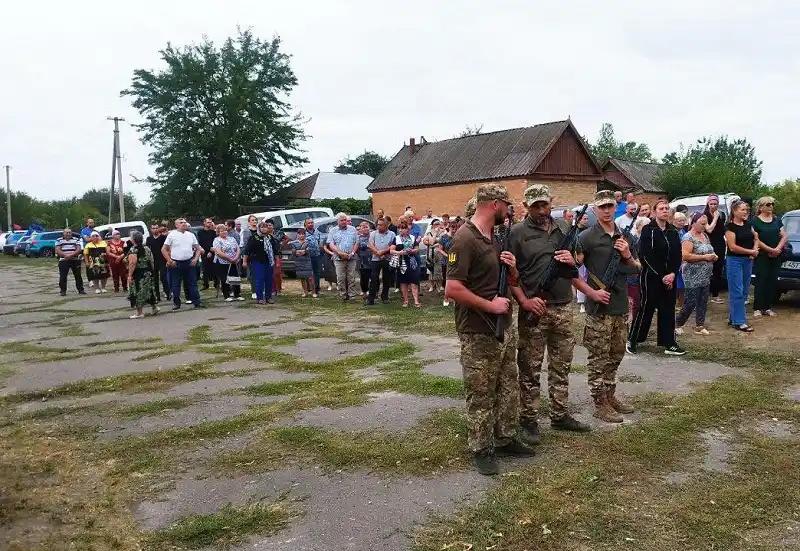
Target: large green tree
[
  {"x": 608, "y": 146},
  {"x": 98, "y": 198},
  {"x": 369, "y": 163},
  {"x": 219, "y": 123},
  {"x": 718, "y": 165}
]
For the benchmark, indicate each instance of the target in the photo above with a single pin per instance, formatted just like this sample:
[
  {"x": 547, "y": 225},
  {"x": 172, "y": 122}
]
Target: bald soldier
[
  {"x": 534, "y": 242},
  {"x": 489, "y": 366}
]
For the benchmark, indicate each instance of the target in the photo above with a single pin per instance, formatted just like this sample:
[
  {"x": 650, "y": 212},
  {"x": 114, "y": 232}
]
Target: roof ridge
[
  {"x": 494, "y": 132},
  {"x": 635, "y": 161}
]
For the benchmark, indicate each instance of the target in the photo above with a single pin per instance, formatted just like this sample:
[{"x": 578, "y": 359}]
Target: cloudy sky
[{"x": 372, "y": 74}]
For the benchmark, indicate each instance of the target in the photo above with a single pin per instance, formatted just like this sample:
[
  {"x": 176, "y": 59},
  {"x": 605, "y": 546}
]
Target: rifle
[
  {"x": 502, "y": 283},
  {"x": 610, "y": 273},
  {"x": 550, "y": 273}
]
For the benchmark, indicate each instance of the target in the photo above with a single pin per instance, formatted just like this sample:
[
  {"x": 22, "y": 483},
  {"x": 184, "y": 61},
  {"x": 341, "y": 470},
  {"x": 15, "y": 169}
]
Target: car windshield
[{"x": 791, "y": 225}]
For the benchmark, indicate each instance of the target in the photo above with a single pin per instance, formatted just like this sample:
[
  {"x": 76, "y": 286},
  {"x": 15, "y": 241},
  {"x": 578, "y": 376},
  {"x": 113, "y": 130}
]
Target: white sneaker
[
  {"x": 240, "y": 298},
  {"x": 91, "y": 284},
  {"x": 103, "y": 290},
  {"x": 254, "y": 296},
  {"x": 757, "y": 314},
  {"x": 136, "y": 316},
  {"x": 583, "y": 308},
  {"x": 229, "y": 299},
  {"x": 97, "y": 291},
  {"x": 771, "y": 313},
  {"x": 188, "y": 302},
  {"x": 679, "y": 330},
  {"x": 702, "y": 331},
  {"x": 330, "y": 287},
  {"x": 445, "y": 303}
]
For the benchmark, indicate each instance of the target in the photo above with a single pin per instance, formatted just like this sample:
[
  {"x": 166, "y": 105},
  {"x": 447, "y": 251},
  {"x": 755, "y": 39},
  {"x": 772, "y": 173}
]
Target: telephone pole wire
[
  {"x": 116, "y": 171},
  {"x": 8, "y": 196}
]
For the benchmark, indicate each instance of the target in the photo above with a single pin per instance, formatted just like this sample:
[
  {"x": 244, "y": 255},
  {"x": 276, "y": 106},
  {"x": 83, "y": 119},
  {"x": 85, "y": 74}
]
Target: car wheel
[{"x": 47, "y": 253}]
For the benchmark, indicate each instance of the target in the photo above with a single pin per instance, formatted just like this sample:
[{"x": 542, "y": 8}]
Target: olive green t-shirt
[
  {"x": 597, "y": 246},
  {"x": 474, "y": 260},
  {"x": 533, "y": 247}
]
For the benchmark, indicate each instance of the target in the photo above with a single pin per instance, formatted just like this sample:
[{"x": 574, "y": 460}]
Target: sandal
[
  {"x": 405, "y": 305},
  {"x": 744, "y": 328},
  {"x": 418, "y": 305}
]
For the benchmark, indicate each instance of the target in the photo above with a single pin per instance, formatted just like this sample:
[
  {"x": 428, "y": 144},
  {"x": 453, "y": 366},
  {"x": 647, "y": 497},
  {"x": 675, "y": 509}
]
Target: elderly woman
[
  {"x": 141, "y": 268},
  {"x": 405, "y": 250},
  {"x": 116, "y": 254},
  {"x": 302, "y": 263},
  {"x": 771, "y": 241},
  {"x": 259, "y": 257},
  {"x": 97, "y": 261},
  {"x": 680, "y": 221},
  {"x": 698, "y": 265},
  {"x": 226, "y": 256},
  {"x": 742, "y": 241}
]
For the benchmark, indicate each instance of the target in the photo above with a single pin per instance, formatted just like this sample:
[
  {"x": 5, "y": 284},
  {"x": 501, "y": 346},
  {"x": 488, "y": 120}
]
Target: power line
[
  {"x": 116, "y": 172},
  {"x": 8, "y": 195}
]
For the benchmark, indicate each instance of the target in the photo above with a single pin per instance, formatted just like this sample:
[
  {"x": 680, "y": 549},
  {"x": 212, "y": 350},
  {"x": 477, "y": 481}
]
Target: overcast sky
[{"x": 372, "y": 74}]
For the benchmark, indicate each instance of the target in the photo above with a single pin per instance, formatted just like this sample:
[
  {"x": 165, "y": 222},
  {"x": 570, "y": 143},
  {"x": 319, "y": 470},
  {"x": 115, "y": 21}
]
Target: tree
[
  {"x": 608, "y": 147},
  {"x": 369, "y": 163},
  {"x": 786, "y": 194},
  {"x": 713, "y": 165},
  {"x": 470, "y": 131},
  {"x": 219, "y": 123},
  {"x": 98, "y": 198}
]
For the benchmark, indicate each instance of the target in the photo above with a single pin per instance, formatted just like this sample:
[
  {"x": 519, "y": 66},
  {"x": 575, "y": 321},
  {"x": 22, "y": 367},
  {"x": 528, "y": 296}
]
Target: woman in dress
[
  {"x": 405, "y": 249},
  {"x": 742, "y": 241},
  {"x": 226, "y": 257},
  {"x": 715, "y": 229},
  {"x": 302, "y": 263},
  {"x": 140, "y": 276},
  {"x": 698, "y": 265},
  {"x": 116, "y": 255},
  {"x": 771, "y": 241},
  {"x": 97, "y": 262}
]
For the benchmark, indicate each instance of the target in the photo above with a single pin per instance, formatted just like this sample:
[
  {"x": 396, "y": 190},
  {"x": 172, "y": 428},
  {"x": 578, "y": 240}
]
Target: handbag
[{"x": 234, "y": 280}]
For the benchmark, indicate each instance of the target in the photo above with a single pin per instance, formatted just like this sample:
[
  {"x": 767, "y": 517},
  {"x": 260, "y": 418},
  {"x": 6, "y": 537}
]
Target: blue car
[
  {"x": 43, "y": 244},
  {"x": 789, "y": 272}
]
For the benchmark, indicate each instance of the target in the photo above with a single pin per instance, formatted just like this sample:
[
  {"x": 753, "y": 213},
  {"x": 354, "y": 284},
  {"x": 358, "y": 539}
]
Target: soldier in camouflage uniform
[
  {"x": 606, "y": 330},
  {"x": 545, "y": 319},
  {"x": 489, "y": 366}
]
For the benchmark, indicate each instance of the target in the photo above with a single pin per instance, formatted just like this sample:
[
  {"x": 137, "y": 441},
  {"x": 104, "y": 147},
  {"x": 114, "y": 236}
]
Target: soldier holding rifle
[
  {"x": 541, "y": 246},
  {"x": 488, "y": 364},
  {"x": 606, "y": 330}
]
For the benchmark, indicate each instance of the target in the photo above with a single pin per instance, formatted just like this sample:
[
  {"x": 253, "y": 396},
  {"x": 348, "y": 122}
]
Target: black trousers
[
  {"x": 654, "y": 296},
  {"x": 221, "y": 272},
  {"x": 161, "y": 274},
  {"x": 209, "y": 272},
  {"x": 365, "y": 274},
  {"x": 381, "y": 271},
  {"x": 716, "y": 274},
  {"x": 64, "y": 266}
]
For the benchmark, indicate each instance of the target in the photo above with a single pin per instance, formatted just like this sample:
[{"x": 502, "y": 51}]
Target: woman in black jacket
[{"x": 660, "y": 255}]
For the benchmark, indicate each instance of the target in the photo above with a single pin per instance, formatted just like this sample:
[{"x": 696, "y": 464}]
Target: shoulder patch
[{"x": 451, "y": 258}]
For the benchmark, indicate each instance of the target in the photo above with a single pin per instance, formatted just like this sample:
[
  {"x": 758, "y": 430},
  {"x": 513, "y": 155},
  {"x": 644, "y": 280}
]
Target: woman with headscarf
[
  {"x": 742, "y": 241},
  {"x": 226, "y": 256},
  {"x": 660, "y": 255},
  {"x": 96, "y": 261},
  {"x": 715, "y": 229},
  {"x": 116, "y": 254},
  {"x": 259, "y": 258},
  {"x": 140, "y": 276},
  {"x": 404, "y": 252},
  {"x": 698, "y": 264},
  {"x": 771, "y": 241}
]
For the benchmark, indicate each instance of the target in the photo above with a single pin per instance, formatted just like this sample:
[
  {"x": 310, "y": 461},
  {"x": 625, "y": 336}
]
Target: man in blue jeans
[
  {"x": 182, "y": 253},
  {"x": 313, "y": 238}
]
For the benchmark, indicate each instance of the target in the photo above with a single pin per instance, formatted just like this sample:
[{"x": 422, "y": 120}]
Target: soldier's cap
[
  {"x": 604, "y": 197},
  {"x": 469, "y": 208},
  {"x": 534, "y": 193},
  {"x": 492, "y": 192}
]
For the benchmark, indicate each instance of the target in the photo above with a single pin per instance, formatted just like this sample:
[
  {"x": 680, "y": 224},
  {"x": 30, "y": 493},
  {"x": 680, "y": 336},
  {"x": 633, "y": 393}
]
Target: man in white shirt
[
  {"x": 182, "y": 252},
  {"x": 627, "y": 219}
]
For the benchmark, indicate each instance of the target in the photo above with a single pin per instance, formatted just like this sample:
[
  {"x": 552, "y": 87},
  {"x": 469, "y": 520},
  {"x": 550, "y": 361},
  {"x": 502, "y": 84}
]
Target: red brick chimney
[{"x": 412, "y": 146}]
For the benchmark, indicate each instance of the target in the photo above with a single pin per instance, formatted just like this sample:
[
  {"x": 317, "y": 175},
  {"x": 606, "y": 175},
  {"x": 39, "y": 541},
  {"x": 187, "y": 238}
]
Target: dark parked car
[
  {"x": 323, "y": 225},
  {"x": 789, "y": 273},
  {"x": 11, "y": 242},
  {"x": 22, "y": 245}
]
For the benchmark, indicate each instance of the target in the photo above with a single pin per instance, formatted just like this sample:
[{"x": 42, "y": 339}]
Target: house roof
[
  {"x": 494, "y": 155},
  {"x": 640, "y": 174},
  {"x": 329, "y": 185}
]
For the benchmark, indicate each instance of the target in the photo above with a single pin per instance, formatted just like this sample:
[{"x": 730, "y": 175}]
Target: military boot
[
  {"x": 620, "y": 407},
  {"x": 485, "y": 462},
  {"x": 529, "y": 432},
  {"x": 604, "y": 411},
  {"x": 568, "y": 422},
  {"x": 515, "y": 446}
]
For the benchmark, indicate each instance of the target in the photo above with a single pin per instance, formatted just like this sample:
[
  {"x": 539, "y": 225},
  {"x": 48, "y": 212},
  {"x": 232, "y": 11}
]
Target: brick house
[
  {"x": 635, "y": 176},
  {"x": 442, "y": 176}
]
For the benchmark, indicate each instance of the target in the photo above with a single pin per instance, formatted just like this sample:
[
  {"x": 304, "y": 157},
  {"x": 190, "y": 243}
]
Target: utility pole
[
  {"x": 8, "y": 195},
  {"x": 116, "y": 170}
]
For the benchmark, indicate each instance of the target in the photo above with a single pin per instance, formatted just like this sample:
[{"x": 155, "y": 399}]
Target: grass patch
[
  {"x": 154, "y": 407},
  {"x": 228, "y": 526},
  {"x": 76, "y": 331},
  {"x": 279, "y": 388},
  {"x": 200, "y": 334}
]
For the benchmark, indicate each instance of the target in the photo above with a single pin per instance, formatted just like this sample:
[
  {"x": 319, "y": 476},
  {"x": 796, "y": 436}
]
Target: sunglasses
[{"x": 769, "y": 204}]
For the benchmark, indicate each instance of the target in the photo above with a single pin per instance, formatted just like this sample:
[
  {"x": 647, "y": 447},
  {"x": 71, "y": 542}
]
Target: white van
[
  {"x": 290, "y": 217},
  {"x": 124, "y": 228},
  {"x": 697, "y": 203}
]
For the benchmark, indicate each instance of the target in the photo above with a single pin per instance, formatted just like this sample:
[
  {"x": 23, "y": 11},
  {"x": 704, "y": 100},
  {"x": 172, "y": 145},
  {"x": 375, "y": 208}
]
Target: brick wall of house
[{"x": 452, "y": 198}]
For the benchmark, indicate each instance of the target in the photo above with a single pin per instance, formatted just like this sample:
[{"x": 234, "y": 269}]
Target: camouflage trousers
[
  {"x": 490, "y": 384},
  {"x": 554, "y": 332},
  {"x": 604, "y": 338}
]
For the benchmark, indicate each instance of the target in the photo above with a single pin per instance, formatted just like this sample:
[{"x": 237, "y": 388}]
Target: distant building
[
  {"x": 636, "y": 176},
  {"x": 442, "y": 176},
  {"x": 328, "y": 185}
]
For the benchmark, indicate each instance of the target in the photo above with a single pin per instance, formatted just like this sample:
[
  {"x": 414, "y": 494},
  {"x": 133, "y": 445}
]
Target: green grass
[
  {"x": 200, "y": 334},
  {"x": 153, "y": 407},
  {"x": 230, "y": 525},
  {"x": 76, "y": 331}
]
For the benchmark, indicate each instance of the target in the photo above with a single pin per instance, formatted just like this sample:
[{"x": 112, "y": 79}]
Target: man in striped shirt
[{"x": 68, "y": 251}]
